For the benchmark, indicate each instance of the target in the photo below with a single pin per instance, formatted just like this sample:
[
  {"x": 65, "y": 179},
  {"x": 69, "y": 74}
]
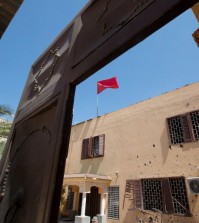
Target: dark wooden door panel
[
  {"x": 93, "y": 203},
  {"x": 30, "y": 161}
]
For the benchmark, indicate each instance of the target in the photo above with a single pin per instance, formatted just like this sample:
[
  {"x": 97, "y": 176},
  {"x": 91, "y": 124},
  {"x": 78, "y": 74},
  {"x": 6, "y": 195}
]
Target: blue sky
[{"x": 166, "y": 60}]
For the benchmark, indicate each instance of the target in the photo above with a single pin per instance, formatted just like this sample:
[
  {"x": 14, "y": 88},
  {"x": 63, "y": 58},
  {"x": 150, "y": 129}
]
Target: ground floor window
[
  {"x": 164, "y": 195},
  {"x": 113, "y": 202}
]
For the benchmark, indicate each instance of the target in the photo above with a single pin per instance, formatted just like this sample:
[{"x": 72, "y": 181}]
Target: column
[
  {"x": 82, "y": 218},
  {"x": 102, "y": 217},
  {"x": 83, "y": 207},
  {"x": 102, "y": 205}
]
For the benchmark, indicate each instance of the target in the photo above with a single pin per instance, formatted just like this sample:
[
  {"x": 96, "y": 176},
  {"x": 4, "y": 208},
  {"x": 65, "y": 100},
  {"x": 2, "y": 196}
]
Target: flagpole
[{"x": 97, "y": 105}]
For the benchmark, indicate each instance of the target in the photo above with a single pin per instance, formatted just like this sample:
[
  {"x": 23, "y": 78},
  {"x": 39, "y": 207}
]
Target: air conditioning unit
[{"x": 193, "y": 183}]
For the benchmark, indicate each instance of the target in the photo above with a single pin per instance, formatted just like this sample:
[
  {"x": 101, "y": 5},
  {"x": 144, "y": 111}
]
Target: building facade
[{"x": 137, "y": 164}]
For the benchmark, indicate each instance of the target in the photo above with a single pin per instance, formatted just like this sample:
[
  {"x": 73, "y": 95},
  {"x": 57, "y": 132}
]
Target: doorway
[{"x": 92, "y": 203}]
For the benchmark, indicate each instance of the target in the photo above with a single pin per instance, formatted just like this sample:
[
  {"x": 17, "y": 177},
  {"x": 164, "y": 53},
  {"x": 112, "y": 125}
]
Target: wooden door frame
[{"x": 96, "y": 36}]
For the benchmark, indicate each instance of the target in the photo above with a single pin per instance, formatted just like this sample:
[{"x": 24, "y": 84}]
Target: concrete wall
[{"x": 137, "y": 146}]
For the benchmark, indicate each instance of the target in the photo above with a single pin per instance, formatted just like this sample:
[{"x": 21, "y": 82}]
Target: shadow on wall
[
  {"x": 91, "y": 165},
  {"x": 194, "y": 204},
  {"x": 189, "y": 146},
  {"x": 164, "y": 140},
  {"x": 88, "y": 165},
  {"x": 166, "y": 146},
  {"x": 80, "y": 131}
]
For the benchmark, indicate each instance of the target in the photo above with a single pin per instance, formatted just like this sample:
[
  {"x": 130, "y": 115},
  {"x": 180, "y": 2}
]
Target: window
[
  {"x": 195, "y": 123},
  {"x": 184, "y": 128},
  {"x": 113, "y": 202},
  {"x": 93, "y": 147},
  {"x": 165, "y": 195}
]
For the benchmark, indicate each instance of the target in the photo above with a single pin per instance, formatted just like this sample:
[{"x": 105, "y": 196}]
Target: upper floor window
[
  {"x": 164, "y": 195},
  {"x": 93, "y": 147},
  {"x": 184, "y": 128}
]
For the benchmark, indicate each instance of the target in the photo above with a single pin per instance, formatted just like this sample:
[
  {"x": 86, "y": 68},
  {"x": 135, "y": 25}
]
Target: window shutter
[
  {"x": 167, "y": 196},
  {"x": 186, "y": 129},
  {"x": 85, "y": 146},
  {"x": 137, "y": 194},
  {"x": 101, "y": 145},
  {"x": 129, "y": 189},
  {"x": 129, "y": 194}
]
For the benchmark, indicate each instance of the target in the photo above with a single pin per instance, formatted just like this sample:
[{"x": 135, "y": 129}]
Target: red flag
[{"x": 108, "y": 83}]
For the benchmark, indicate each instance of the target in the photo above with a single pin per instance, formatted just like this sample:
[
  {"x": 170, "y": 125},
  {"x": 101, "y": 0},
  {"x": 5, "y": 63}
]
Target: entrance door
[{"x": 93, "y": 203}]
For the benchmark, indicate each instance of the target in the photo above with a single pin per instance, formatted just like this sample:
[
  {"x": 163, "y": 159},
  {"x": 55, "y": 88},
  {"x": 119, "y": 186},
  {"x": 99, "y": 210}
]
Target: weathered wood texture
[
  {"x": 8, "y": 9},
  {"x": 37, "y": 147}
]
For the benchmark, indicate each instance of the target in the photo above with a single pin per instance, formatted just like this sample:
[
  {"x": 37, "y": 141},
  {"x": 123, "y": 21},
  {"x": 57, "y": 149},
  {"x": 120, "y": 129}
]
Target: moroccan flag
[{"x": 108, "y": 83}]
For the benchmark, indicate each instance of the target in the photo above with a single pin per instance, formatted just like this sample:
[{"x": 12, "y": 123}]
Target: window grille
[
  {"x": 69, "y": 199},
  {"x": 195, "y": 123},
  {"x": 184, "y": 128},
  {"x": 152, "y": 195},
  {"x": 179, "y": 196},
  {"x": 113, "y": 202},
  {"x": 176, "y": 130},
  {"x": 165, "y": 195},
  {"x": 93, "y": 147}
]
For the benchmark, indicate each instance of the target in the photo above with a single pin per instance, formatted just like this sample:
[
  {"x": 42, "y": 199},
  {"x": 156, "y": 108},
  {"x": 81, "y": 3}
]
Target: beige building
[{"x": 137, "y": 164}]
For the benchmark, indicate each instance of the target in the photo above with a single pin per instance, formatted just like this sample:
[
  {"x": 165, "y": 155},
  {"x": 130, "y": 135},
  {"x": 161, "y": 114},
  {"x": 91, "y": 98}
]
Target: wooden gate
[{"x": 32, "y": 165}]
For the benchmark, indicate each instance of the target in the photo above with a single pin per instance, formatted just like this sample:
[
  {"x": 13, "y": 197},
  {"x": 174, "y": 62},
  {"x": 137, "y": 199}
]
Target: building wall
[{"x": 137, "y": 146}]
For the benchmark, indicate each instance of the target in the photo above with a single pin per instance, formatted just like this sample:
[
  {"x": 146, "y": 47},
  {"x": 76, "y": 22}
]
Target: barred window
[
  {"x": 184, "y": 128},
  {"x": 164, "y": 195},
  {"x": 93, "y": 147},
  {"x": 113, "y": 202},
  {"x": 152, "y": 193},
  {"x": 176, "y": 130},
  {"x": 195, "y": 123},
  {"x": 179, "y": 196}
]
